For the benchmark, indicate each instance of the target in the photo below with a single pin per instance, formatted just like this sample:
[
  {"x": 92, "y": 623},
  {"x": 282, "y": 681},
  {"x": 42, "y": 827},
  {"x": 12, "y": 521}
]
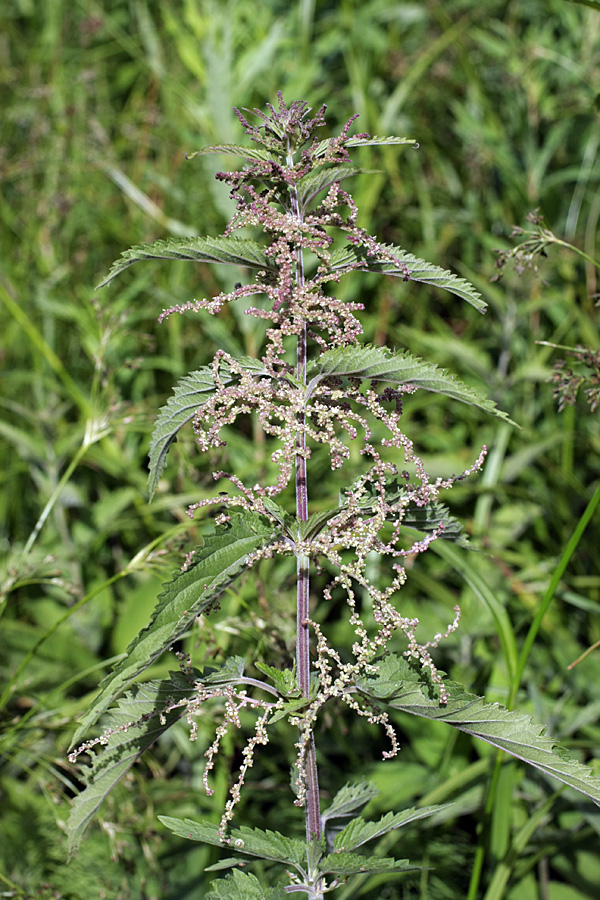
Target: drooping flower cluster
[{"x": 278, "y": 191}]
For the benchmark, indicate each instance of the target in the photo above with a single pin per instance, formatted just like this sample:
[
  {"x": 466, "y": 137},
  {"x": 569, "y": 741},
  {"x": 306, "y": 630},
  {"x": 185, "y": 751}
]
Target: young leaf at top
[
  {"x": 406, "y": 687},
  {"x": 236, "y": 150},
  {"x": 229, "y": 250},
  {"x": 218, "y": 562}
]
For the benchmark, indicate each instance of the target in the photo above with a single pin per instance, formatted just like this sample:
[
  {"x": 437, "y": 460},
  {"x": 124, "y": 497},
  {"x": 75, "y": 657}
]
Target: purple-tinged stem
[{"x": 312, "y": 811}]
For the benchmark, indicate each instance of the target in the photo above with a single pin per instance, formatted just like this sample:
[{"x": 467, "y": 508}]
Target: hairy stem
[{"x": 312, "y": 812}]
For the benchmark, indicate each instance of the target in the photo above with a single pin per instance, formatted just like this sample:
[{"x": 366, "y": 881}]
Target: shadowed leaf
[
  {"x": 134, "y": 726},
  {"x": 219, "y": 561},
  {"x": 189, "y": 394}
]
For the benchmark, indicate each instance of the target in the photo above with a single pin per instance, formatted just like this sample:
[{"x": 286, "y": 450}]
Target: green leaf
[
  {"x": 189, "y": 394},
  {"x": 243, "y": 886},
  {"x": 131, "y": 728},
  {"x": 349, "y": 800},
  {"x": 289, "y": 709},
  {"x": 342, "y": 864},
  {"x": 322, "y": 179},
  {"x": 378, "y": 141},
  {"x": 285, "y": 519},
  {"x": 315, "y": 523},
  {"x": 230, "y": 672},
  {"x": 323, "y": 146},
  {"x": 231, "y": 862},
  {"x": 425, "y": 519},
  {"x": 284, "y": 679},
  {"x": 250, "y": 841},
  {"x": 406, "y": 687},
  {"x": 398, "y": 367},
  {"x": 359, "y": 831},
  {"x": 236, "y": 150},
  {"x": 352, "y": 258},
  {"x": 229, "y": 250},
  {"x": 218, "y": 562}
]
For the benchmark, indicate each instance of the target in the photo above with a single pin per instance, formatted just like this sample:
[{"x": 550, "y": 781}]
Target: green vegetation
[{"x": 100, "y": 105}]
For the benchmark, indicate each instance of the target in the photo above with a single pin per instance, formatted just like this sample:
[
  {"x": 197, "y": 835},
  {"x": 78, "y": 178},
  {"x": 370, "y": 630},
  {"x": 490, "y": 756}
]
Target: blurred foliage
[{"x": 100, "y": 102}]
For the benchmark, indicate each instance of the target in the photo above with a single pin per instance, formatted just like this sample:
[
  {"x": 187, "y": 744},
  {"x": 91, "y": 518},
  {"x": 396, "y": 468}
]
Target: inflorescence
[{"x": 298, "y": 417}]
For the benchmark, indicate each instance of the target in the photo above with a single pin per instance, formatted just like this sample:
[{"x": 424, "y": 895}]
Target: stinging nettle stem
[{"x": 312, "y": 811}]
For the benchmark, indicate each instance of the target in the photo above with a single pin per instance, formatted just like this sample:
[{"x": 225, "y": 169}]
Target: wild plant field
[{"x": 100, "y": 104}]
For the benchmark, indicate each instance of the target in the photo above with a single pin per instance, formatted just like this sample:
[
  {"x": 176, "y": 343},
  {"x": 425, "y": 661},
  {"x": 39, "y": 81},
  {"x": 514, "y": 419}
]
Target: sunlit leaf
[
  {"x": 406, "y": 687},
  {"x": 236, "y": 150},
  {"x": 398, "y": 367},
  {"x": 323, "y": 146},
  {"x": 228, "y": 249},
  {"x": 249, "y": 841},
  {"x": 352, "y": 258}
]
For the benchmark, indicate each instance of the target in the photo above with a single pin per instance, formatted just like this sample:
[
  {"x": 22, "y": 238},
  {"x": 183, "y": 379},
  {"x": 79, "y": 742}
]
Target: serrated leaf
[
  {"x": 359, "y": 831},
  {"x": 230, "y": 672},
  {"x": 227, "y": 249},
  {"x": 398, "y": 367},
  {"x": 236, "y": 150},
  {"x": 425, "y": 519},
  {"x": 349, "y": 800},
  {"x": 323, "y": 146},
  {"x": 243, "y": 886},
  {"x": 406, "y": 687},
  {"x": 250, "y": 841},
  {"x": 126, "y": 742},
  {"x": 284, "y": 679},
  {"x": 320, "y": 180},
  {"x": 342, "y": 864},
  {"x": 378, "y": 141},
  {"x": 188, "y": 396},
  {"x": 218, "y": 562},
  {"x": 285, "y": 519},
  {"x": 289, "y": 709},
  {"x": 352, "y": 258}
]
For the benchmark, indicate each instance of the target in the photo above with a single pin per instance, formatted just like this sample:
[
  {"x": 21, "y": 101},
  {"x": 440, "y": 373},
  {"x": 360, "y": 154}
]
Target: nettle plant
[{"x": 315, "y": 384}]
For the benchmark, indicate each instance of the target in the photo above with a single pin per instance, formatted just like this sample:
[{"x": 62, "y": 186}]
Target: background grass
[{"x": 100, "y": 102}]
